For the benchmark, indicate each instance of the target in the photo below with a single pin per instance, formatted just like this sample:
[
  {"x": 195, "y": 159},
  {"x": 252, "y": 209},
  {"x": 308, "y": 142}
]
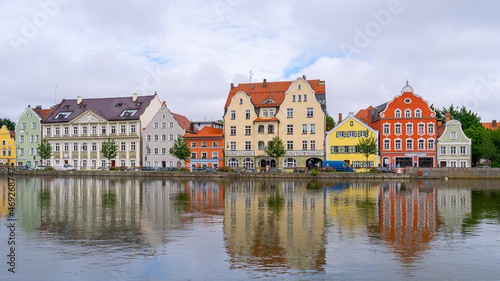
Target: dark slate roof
[
  {"x": 375, "y": 112},
  {"x": 112, "y": 109}
]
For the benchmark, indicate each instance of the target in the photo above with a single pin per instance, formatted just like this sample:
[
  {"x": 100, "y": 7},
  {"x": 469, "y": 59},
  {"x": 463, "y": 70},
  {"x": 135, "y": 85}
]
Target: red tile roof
[
  {"x": 274, "y": 119},
  {"x": 43, "y": 113},
  {"x": 184, "y": 122},
  {"x": 206, "y": 132},
  {"x": 440, "y": 129},
  {"x": 260, "y": 92},
  {"x": 490, "y": 126},
  {"x": 364, "y": 114}
]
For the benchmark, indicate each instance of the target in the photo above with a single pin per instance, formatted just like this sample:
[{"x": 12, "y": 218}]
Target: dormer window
[
  {"x": 119, "y": 104},
  {"x": 128, "y": 112},
  {"x": 268, "y": 101},
  {"x": 138, "y": 103},
  {"x": 62, "y": 115},
  {"x": 66, "y": 106},
  {"x": 83, "y": 106}
]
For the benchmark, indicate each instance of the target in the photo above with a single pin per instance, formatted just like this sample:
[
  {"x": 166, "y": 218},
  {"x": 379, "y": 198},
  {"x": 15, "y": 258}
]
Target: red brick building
[
  {"x": 407, "y": 128},
  {"x": 206, "y": 148}
]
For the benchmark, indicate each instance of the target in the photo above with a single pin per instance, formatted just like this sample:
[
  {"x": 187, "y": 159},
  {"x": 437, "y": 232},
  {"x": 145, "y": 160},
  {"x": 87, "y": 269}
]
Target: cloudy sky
[{"x": 190, "y": 51}]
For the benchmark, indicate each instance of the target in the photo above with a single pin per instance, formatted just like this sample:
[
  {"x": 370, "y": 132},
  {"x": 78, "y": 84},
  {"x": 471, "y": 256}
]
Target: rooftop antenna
[
  {"x": 406, "y": 82},
  {"x": 251, "y": 75},
  {"x": 55, "y": 95}
]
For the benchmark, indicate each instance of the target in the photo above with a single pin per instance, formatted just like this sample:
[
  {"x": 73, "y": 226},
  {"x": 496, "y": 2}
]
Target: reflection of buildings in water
[
  {"x": 408, "y": 220},
  {"x": 454, "y": 205},
  {"x": 269, "y": 226},
  {"x": 206, "y": 197},
  {"x": 351, "y": 207},
  {"x": 4, "y": 194}
]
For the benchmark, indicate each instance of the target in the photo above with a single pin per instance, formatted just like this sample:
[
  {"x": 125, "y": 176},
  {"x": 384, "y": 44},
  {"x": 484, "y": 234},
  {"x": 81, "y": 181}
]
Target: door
[{"x": 442, "y": 164}]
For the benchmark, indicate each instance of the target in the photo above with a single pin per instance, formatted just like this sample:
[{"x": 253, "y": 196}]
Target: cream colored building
[
  {"x": 255, "y": 113},
  {"x": 77, "y": 128}
]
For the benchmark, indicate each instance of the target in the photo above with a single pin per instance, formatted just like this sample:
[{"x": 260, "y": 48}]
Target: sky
[{"x": 189, "y": 52}]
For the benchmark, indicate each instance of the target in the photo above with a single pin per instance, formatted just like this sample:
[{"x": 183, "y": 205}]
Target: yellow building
[
  {"x": 341, "y": 143},
  {"x": 7, "y": 147}
]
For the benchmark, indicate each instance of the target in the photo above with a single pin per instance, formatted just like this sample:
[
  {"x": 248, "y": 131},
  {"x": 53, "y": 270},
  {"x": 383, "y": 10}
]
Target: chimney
[
  {"x": 340, "y": 117},
  {"x": 448, "y": 116},
  {"x": 494, "y": 124},
  {"x": 38, "y": 107},
  {"x": 232, "y": 86},
  {"x": 78, "y": 100},
  {"x": 304, "y": 77},
  {"x": 265, "y": 83},
  {"x": 134, "y": 97}
]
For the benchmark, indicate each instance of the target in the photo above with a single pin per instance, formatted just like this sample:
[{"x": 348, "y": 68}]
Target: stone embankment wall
[{"x": 454, "y": 173}]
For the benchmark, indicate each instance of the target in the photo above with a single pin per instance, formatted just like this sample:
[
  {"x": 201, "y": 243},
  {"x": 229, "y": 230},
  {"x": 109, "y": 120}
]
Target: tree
[
  {"x": 276, "y": 149},
  {"x": 11, "y": 126},
  {"x": 109, "y": 149},
  {"x": 180, "y": 149},
  {"x": 44, "y": 150},
  {"x": 488, "y": 149},
  {"x": 476, "y": 134},
  {"x": 367, "y": 146},
  {"x": 466, "y": 117},
  {"x": 330, "y": 123}
]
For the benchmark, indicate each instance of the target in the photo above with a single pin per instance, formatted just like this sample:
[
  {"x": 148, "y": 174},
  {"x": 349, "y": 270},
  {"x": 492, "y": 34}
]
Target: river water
[{"x": 134, "y": 229}]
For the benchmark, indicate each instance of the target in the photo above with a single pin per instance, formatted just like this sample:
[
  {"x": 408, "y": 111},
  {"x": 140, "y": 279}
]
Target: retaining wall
[{"x": 455, "y": 173}]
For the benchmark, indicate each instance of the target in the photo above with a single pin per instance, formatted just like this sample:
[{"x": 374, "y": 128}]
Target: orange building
[
  {"x": 407, "y": 127},
  {"x": 206, "y": 148}
]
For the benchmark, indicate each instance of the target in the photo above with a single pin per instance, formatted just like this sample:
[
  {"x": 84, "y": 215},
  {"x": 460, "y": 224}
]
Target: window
[
  {"x": 203, "y": 144},
  {"x": 23, "y": 126},
  {"x": 304, "y": 128},
  {"x": 453, "y": 135},
  {"x": 84, "y": 163},
  {"x": 305, "y": 97},
  {"x": 123, "y": 129},
  {"x": 103, "y": 130},
  {"x": 66, "y": 130},
  {"x": 289, "y": 113},
  {"x": 163, "y": 137},
  {"x": 341, "y": 134},
  {"x": 271, "y": 112},
  {"x": 335, "y": 149},
  {"x": 421, "y": 144},
  {"x": 163, "y": 125},
  {"x": 171, "y": 137},
  {"x": 453, "y": 164},
  {"x": 36, "y": 138},
  {"x": 233, "y": 145},
  {"x": 132, "y": 146},
  {"x": 313, "y": 128},
  {"x": 57, "y": 131},
  {"x": 163, "y": 150},
  {"x": 204, "y": 155},
  {"x": 113, "y": 129},
  {"x": 442, "y": 151},
  {"x": 148, "y": 138},
  {"x": 233, "y": 114},
  {"x": 313, "y": 145},
  {"x": 264, "y": 113},
  {"x": 453, "y": 150},
  {"x": 248, "y": 145},
  {"x": 289, "y": 129},
  {"x": 397, "y": 144},
  {"x": 123, "y": 146},
  {"x": 289, "y": 145},
  {"x": 270, "y": 129},
  {"x": 233, "y": 163},
  {"x": 93, "y": 130},
  {"x": 397, "y": 129},
  {"x": 156, "y": 150},
  {"x": 171, "y": 124},
  {"x": 310, "y": 112},
  {"x": 155, "y": 125},
  {"x": 409, "y": 129},
  {"x": 293, "y": 98},
  {"x": 241, "y": 101},
  {"x": 290, "y": 163},
  {"x": 409, "y": 144},
  {"x": 387, "y": 144},
  {"x": 232, "y": 130},
  {"x": 21, "y": 151},
  {"x": 418, "y": 113},
  {"x": 31, "y": 138},
  {"x": 299, "y": 87},
  {"x": 463, "y": 164},
  {"x": 193, "y": 144},
  {"x": 215, "y": 144},
  {"x": 84, "y": 130},
  {"x": 397, "y": 113},
  {"x": 215, "y": 154},
  {"x": 430, "y": 144},
  {"x": 33, "y": 125},
  {"x": 300, "y": 98},
  {"x": 407, "y": 113},
  {"x": 260, "y": 129},
  {"x": 351, "y": 134},
  {"x": 66, "y": 146},
  {"x": 93, "y": 146},
  {"x": 84, "y": 146},
  {"x": 156, "y": 137},
  {"x": 346, "y": 149},
  {"x": 387, "y": 129},
  {"x": 248, "y": 130},
  {"x": 75, "y": 146},
  {"x": 362, "y": 134},
  {"x": 148, "y": 151},
  {"x": 304, "y": 145},
  {"x": 430, "y": 129},
  {"x": 21, "y": 139},
  {"x": 132, "y": 128},
  {"x": 463, "y": 150},
  {"x": 75, "y": 130}
]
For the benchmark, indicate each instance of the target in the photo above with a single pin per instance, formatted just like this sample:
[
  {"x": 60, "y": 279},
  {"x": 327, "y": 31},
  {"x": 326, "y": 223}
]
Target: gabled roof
[
  {"x": 270, "y": 94},
  {"x": 351, "y": 116},
  {"x": 440, "y": 129},
  {"x": 364, "y": 114},
  {"x": 112, "y": 109},
  {"x": 184, "y": 123},
  {"x": 43, "y": 113},
  {"x": 206, "y": 132}
]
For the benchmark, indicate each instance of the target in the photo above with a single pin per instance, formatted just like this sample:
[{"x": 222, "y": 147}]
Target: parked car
[
  {"x": 40, "y": 167},
  {"x": 301, "y": 170},
  {"x": 275, "y": 170},
  {"x": 249, "y": 170},
  {"x": 102, "y": 168},
  {"x": 339, "y": 166},
  {"x": 146, "y": 168},
  {"x": 162, "y": 169},
  {"x": 22, "y": 168},
  {"x": 64, "y": 167},
  {"x": 383, "y": 170}
]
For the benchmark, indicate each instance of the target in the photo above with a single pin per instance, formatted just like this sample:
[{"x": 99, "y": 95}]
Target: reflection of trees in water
[{"x": 485, "y": 206}]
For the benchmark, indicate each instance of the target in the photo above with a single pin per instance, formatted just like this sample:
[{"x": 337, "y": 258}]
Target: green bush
[
  {"x": 184, "y": 169},
  {"x": 314, "y": 172},
  {"x": 225, "y": 169}
]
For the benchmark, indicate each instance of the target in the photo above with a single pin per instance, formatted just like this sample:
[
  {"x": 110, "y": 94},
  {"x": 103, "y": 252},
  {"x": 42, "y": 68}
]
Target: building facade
[
  {"x": 77, "y": 128},
  {"x": 207, "y": 148},
  {"x": 159, "y": 136},
  {"x": 453, "y": 146},
  {"x": 407, "y": 131},
  {"x": 7, "y": 147},
  {"x": 342, "y": 140},
  {"x": 294, "y": 111},
  {"x": 29, "y": 135}
]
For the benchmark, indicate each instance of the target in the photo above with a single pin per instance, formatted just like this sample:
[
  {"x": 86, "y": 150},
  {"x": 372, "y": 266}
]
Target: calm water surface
[{"x": 133, "y": 229}]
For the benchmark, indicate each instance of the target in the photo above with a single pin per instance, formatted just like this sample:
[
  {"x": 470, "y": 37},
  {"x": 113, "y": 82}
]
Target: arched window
[
  {"x": 260, "y": 129},
  {"x": 248, "y": 163},
  {"x": 270, "y": 129},
  {"x": 4, "y": 152},
  {"x": 290, "y": 163},
  {"x": 418, "y": 113},
  {"x": 261, "y": 145},
  {"x": 397, "y": 113},
  {"x": 407, "y": 113},
  {"x": 9, "y": 151},
  {"x": 3, "y": 142},
  {"x": 233, "y": 163}
]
